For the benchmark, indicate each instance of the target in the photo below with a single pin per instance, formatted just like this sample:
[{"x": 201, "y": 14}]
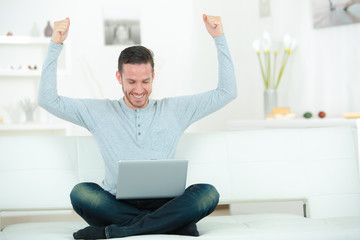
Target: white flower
[
  {"x": 287, "y": 41},
  {"x": 293, "y": 44},
  {"x": 266, "y": 41},
  {"x": 256, "y": 45}
]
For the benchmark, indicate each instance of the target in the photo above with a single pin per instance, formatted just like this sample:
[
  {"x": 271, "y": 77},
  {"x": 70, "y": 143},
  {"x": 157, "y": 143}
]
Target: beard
[{"x": 129, "y": 98}]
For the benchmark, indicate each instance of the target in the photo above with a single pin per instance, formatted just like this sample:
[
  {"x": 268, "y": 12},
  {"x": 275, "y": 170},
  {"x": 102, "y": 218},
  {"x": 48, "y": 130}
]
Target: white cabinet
[{"x": 21, "y": 60}]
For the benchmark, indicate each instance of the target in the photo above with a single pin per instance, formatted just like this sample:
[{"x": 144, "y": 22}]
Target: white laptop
[{"x": 160, "y": 178}]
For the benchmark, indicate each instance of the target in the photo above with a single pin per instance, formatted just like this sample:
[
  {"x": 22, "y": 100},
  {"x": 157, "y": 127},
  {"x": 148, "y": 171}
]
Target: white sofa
[{"x": 318, "y": 166}]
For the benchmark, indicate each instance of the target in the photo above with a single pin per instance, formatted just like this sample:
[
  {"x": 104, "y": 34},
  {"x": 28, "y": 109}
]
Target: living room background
[{"x": 321, "y": 75}]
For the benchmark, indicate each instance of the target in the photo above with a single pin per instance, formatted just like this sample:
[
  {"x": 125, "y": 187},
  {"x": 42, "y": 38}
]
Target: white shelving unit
[
  {"x": 290, "y": 123},
  {"x": 23, "y": 40},
  {"x": 15, "y": 42},
  {"x": 19, "y": 52},
  {"x": 18, "y": 82},
  {"x": 33, "y": 129},
  {"x": 20, "y": 73}
]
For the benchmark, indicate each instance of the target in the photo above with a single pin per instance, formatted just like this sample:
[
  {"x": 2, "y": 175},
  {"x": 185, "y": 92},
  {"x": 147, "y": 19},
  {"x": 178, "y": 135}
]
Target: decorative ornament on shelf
[
  {"x": 270, "y": 71},
  {"x": 48, "y": 30},
  {"x": 281, "y": 113},
  {"x": 29, "y": 108},
  {"x": 35, "y": 32},
  {"x": 322, "y": 114},
  {"x": 352, "y": 115},
  {"x": 307, "y": 115}
]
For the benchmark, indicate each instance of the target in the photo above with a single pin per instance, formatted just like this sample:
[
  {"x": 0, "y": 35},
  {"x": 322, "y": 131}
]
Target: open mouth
[{"x": 138, "y": 97}]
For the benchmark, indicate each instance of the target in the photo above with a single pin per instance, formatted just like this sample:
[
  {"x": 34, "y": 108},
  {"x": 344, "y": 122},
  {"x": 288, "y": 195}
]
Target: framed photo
[
  {"x": 329, "y": 13},
  {"x": 121, "y": 25}
]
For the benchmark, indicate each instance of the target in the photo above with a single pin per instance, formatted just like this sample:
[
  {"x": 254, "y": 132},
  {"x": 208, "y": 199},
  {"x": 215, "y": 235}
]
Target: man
[{"x": 137, "y": 127}]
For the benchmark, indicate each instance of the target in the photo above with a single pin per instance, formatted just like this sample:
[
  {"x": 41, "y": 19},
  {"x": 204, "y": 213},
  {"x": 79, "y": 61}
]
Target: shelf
[
  {"x": 28, "y": 73},
  {"x": 23, "y": 40},
  {"x": 21, "y": 51},
  {"x": 33, "y": 129},
  {"x": 20, "y": 73},
  {"x": 290, "y": 123}
]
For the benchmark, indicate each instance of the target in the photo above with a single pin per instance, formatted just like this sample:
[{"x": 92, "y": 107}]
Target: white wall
[
  {"x": 166, "y": 32},
  {"x": 321, "y": 74}
]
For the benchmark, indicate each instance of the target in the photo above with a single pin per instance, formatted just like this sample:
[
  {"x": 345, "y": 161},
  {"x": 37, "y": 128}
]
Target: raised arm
[
  {"x": 73, "y": 110},
  {"x": 189, "y": 109}
]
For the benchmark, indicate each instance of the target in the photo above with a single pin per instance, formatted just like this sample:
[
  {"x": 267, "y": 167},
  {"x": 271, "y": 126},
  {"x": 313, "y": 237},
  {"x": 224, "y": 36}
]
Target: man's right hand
[{"x": 61, "y": 30}]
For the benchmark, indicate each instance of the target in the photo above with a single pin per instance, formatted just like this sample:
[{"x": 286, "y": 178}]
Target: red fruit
[{"x": 322, "y": 114}]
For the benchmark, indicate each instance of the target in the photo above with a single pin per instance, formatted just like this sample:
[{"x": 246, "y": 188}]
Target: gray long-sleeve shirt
[{"x": 151, "y": 132}]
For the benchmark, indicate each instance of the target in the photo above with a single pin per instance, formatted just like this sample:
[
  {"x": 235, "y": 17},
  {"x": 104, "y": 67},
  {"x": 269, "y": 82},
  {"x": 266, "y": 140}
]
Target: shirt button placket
[{"x": 138, "y": 125}]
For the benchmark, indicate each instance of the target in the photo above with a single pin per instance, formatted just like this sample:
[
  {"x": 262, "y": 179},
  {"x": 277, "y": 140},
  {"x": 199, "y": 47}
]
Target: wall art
[
  {"x": 327, "y": 13},
  {"x": 121, "y": 25}
]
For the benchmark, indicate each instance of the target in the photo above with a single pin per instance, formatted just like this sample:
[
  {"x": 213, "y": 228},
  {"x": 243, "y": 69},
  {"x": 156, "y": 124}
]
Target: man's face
[{"x": 136, "y": 81}]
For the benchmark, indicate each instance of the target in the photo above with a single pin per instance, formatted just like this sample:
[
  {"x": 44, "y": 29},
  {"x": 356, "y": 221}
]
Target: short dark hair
[{"x": 136, "y": 55}]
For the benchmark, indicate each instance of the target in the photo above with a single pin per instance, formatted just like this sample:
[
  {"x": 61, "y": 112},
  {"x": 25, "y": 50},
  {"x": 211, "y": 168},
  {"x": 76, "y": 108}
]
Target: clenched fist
[
  {"x": 61, "y": 30},
  {"x": 213, "y": 25}
]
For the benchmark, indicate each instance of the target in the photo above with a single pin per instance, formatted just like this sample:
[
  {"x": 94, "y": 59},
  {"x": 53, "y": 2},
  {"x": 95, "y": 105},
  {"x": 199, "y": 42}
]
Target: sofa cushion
[
  {"x": 37, "y": 172},
  {"x": 239, "y": 227},
  {"x": 42, "y": 231},
  {"x": 273, "y": 164},
  {"x": 325, "y": 206},
  {"x": 90, "y": 163}
]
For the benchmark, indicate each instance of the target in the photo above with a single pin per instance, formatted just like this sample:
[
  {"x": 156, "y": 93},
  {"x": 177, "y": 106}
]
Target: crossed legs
[{"x": 112, "y": 218}]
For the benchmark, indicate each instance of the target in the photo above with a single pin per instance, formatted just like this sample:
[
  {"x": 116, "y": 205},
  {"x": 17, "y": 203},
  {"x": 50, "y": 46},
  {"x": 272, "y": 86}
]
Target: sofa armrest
[{"x": 327, "y": 206}]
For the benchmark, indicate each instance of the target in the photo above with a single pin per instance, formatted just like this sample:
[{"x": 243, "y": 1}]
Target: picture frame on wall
[
  {"x": 327, "y": 13},
  {"x": 121, "y": 25}
]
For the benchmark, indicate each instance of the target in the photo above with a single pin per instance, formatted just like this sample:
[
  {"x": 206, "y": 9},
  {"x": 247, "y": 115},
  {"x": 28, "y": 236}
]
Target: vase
[
  {"x": 29, "y": 115},
  {"x": 48, "y": 30},
  {"x": 270, "y": 100}
]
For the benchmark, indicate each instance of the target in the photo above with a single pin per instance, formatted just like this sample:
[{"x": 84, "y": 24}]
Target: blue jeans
[{"x": 122, "y": 218}]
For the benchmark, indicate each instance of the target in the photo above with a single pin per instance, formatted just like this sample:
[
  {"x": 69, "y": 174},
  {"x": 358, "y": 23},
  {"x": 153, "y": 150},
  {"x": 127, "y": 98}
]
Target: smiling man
[
  {"x": 136, "y": 79},
  {"x": 137, "y": 127}
]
